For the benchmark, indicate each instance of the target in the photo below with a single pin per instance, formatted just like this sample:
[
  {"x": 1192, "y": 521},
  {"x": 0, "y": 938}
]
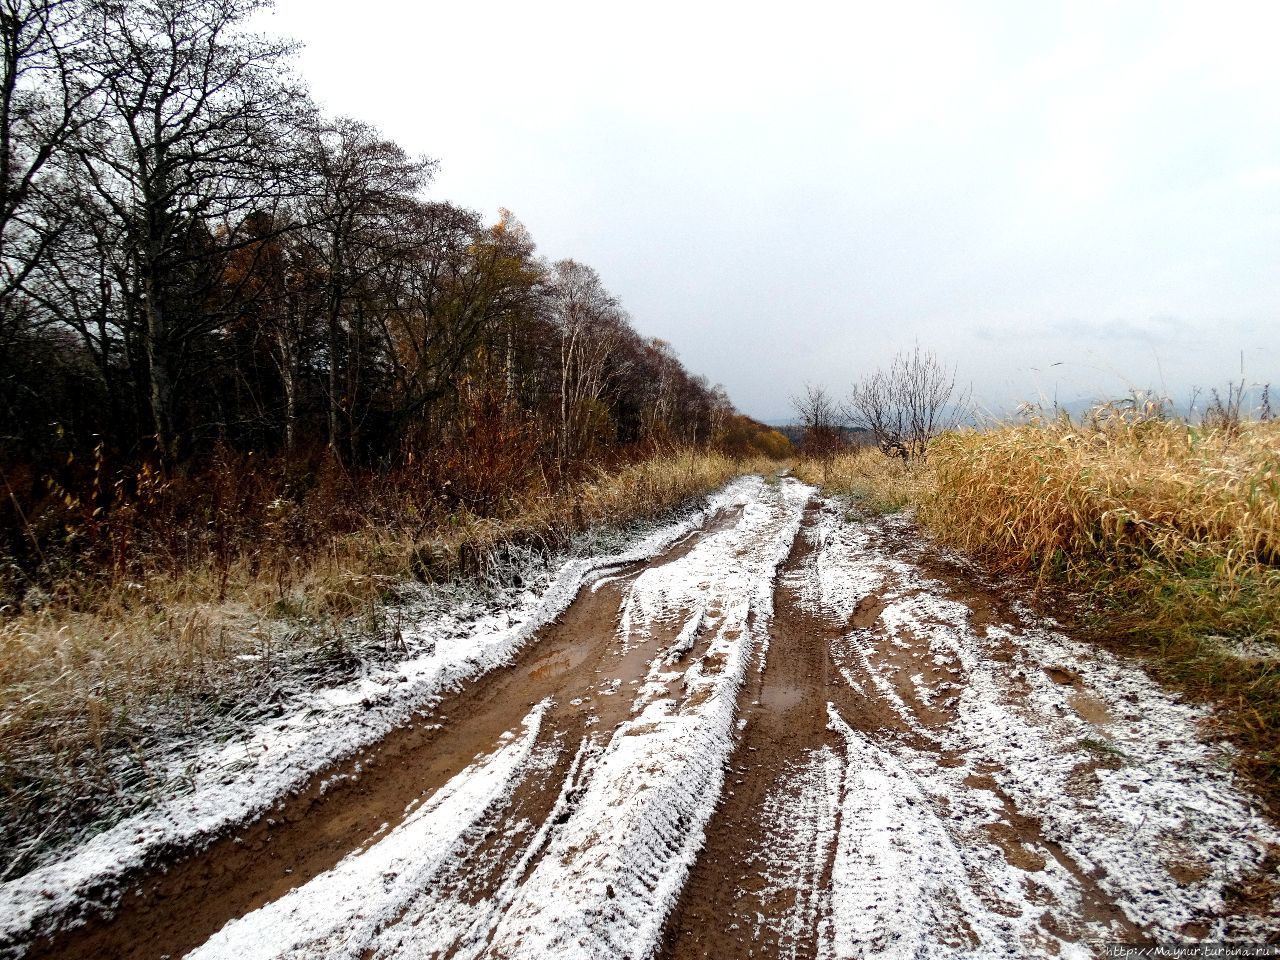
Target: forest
[{"x": 198, "y": 267}]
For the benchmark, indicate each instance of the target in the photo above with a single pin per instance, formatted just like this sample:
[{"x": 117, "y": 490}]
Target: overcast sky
[{"x": 1067, "y": 198}]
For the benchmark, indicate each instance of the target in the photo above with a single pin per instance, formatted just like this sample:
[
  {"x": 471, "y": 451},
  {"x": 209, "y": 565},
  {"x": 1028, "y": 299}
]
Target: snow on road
[
  {"x": 341, "y": 910},
  {"x": 978, "y": 784},
  {"x": 1093, "y": 782},
  {"x": 616, "y": 867},
  {"x": 236, "y": 782},
  {"x": 802, "y": 821}
]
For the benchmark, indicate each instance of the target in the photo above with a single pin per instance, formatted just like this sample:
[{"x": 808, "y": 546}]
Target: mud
[
  {"x": 854, "y": 818},
  {"x": 195, "y": 894},
  {"x": 730, "y": 908},
  {"x": 785, "y": 714}
]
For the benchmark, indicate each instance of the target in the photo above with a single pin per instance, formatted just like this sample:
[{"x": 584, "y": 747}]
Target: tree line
[{"x": 193, "y": 257}]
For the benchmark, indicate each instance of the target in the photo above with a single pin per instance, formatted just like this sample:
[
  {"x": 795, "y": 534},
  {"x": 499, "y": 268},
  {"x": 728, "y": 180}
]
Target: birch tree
[{"x": 591, "y": 326}]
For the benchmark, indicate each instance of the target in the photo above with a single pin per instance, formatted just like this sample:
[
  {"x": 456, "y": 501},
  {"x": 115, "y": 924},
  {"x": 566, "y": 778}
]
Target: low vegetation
[
  {"x": 880, "y": 483},
  {"x": 186, "y": 640},
  {"x": 1168, "y": 530}
]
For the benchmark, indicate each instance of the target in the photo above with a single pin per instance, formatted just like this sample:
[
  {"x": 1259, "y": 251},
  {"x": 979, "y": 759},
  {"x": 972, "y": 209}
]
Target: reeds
[{"x": 1127, "y": 491}]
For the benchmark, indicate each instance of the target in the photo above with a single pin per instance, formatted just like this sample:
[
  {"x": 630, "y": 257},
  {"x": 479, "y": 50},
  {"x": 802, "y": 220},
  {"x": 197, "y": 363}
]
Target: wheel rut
[
  {"x": 735, "y": 903},
  {"x": 575, "y": 663},
  {"x": 823, "y": 744},
  {"x": 827, "y": 840}
]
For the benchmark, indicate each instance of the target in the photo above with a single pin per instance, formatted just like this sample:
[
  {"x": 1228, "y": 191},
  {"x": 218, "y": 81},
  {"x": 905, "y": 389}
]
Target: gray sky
[{"x": 792, "y": 192}]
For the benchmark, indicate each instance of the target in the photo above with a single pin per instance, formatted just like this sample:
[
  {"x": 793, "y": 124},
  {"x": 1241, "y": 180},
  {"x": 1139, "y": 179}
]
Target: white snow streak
[
  {"x": 338, "y": 912},
  {"x": 800, "y": 819},
  {"x": 238, "y": 782},
  {"x": 613, "y": 871}
]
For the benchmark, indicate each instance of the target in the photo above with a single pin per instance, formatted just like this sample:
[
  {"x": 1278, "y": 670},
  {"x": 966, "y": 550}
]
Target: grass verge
[
  {"x": 1168, "y": 531},
  {"x": 100, "y": 671}
]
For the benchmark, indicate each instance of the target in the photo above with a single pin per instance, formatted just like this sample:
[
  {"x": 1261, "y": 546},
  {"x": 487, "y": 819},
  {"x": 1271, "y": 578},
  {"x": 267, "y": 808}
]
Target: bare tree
[
  {"x": 453, "y": 282},
  {"x": 193, "y": 113},
  {"x": 366, "y": 186},
  {"x": 820, "y": 417},
  {"x": 43, "y": 96},
  {"x": 592, "y": 326},
  {"x": 907, "y": 405}
]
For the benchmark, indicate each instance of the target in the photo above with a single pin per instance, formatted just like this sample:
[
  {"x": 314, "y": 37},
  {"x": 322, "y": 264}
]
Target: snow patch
[
  {"x": 1118, "y": 773},
  {"x": 237, "y": 782},
  {"x": 339, "y": 911}
]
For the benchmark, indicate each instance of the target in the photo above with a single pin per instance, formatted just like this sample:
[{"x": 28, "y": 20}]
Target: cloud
[{"x": 792, "y": 196}]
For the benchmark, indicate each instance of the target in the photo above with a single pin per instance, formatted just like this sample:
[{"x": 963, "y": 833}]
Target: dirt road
[{"x": 795, "y": 733}]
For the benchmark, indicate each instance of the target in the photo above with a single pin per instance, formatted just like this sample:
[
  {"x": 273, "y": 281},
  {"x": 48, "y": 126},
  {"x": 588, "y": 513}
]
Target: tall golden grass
[
  {"x": 1130, "y": 491},
  {"x": 104, "y": 666},
  {"x": 1170, "y": 530}
]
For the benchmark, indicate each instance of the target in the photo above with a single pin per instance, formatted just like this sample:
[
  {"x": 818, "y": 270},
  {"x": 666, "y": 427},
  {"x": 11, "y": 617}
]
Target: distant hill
[{"x": 795, "y": 433}]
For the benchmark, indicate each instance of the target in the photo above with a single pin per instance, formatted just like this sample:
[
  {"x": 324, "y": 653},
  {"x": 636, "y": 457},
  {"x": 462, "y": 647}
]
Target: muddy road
[{"x": 795, "y": 732}]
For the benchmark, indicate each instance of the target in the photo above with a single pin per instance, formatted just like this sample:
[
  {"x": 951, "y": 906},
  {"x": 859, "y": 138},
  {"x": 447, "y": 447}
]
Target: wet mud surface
[{"x": 898, "y": 759}]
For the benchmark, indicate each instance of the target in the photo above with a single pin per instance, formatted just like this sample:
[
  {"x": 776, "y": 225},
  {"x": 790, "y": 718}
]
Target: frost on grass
[{"x": 451, "y": 636}]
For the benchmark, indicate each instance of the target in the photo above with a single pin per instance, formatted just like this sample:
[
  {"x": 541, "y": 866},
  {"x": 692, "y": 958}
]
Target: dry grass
[
  {"x": 1170, "y": 532},
  {"x": 1134, "y": 492},
  {"x": 92, "y": 677},
  {"x": 880, "y": 484}
]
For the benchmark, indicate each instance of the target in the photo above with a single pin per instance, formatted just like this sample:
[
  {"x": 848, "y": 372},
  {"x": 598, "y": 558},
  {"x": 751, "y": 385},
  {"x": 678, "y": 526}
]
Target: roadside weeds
[{"x": 1151, "y": 536}]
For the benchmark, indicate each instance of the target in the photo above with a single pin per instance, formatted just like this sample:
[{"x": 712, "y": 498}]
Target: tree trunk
[
  {"x": 160, "y": 376},
  {"x": 290, "y": 383},
  {"x": 334, "y": 308}
]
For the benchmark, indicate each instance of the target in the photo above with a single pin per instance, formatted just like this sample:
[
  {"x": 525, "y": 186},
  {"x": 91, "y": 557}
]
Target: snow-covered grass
[
  {"x": 221, "y": 785},
  {"x": 205, "y": 607}
]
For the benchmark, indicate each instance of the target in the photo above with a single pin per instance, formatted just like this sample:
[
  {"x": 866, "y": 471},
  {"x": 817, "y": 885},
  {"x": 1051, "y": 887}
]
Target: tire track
[
  {"x": 793, "y": 735},
  {"x": 178, "y": 908},
  {"x": 742, "y": 898}
]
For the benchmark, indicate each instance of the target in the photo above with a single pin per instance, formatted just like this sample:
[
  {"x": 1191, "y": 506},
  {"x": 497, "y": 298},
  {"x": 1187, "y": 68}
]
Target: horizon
[{"x": 1067, "y": 201}]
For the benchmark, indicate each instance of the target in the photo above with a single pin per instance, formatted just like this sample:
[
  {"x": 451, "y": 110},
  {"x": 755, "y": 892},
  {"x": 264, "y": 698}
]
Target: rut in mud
[
  {"x": 573, "y": 663},
  {"x": 797, "y": 733},
  {"x": 752, "y": 890}
]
